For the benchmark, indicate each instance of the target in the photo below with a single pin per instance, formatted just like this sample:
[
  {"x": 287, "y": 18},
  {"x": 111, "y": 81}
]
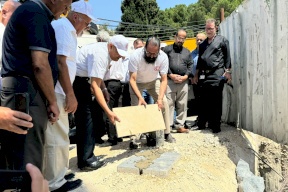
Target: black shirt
[
  {"x": 29, "y": 28},
  {"x": 180, "y": 60},
  {"x": 214, "y": 55}
]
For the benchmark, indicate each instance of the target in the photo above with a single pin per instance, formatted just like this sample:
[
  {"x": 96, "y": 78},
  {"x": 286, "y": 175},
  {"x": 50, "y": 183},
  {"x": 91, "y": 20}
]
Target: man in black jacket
[
  {"x": 180, "y": 67},
  {"x": 213, "y": 69}
]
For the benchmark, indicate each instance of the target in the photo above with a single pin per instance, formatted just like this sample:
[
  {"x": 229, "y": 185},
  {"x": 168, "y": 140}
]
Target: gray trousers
[{"x": 177, "y": 96}]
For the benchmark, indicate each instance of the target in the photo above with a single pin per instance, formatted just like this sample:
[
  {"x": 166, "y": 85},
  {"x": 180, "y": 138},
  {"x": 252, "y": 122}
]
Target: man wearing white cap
[
  {"x": 92, "y": 63},
  {"x": 56, "y": 158}
]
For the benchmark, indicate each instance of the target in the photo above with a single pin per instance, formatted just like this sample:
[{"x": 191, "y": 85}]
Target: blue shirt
[
  {"x": 29, "y": 29},
  {"x": 194, "y": 55}
]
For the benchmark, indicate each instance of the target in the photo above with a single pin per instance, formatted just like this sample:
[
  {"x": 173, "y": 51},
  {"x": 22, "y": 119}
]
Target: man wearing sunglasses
[{"x": 56, "y": 158}]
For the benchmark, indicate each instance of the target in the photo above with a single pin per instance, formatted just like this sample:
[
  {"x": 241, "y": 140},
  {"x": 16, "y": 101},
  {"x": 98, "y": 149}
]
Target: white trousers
[{"x": 56, "y": 155}]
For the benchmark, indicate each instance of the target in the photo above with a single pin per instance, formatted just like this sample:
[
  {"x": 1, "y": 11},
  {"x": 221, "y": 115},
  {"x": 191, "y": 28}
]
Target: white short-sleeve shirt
[
  {"x": 66, "y": 39},
  {"x": 147, "y": 72},
  {"x": 93, "y": 60},
  {"x": 117, "y": 70}
]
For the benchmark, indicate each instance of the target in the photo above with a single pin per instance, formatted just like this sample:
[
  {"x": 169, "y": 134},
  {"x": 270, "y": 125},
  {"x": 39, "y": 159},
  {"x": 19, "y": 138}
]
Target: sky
[{"x": 111, "y": 9}]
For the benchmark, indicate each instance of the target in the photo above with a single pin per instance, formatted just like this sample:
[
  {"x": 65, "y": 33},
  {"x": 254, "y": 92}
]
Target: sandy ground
[{"x": 207, "y": 163}]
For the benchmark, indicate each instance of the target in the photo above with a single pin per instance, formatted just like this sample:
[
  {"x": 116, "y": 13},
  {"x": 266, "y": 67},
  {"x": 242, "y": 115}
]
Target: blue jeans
[{"x": 148, "y": 99}]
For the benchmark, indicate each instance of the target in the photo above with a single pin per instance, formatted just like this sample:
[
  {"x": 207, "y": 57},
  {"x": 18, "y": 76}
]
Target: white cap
[
  {"x": 84, "y": 8},
  {"x": 163, "y": 45},
  {"x": 121, "y": 44}
]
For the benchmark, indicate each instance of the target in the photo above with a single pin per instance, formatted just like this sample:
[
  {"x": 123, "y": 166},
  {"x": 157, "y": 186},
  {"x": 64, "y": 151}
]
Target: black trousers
[
  {"x": 115, "y": 90},
  {"x": 18, "y": 150},
  {"x": 210, "y": 106},
  {"x": 126, "y": 100},
  {"x": 85, "y": 120}
]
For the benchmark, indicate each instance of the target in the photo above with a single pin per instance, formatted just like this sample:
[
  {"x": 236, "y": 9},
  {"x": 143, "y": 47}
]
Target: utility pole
[{"x": 222, "y": 14}]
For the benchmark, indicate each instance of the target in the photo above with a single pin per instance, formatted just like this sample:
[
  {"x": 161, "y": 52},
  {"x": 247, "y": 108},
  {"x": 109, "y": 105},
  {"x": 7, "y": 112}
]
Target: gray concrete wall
[{"x": 257, "y": 31}]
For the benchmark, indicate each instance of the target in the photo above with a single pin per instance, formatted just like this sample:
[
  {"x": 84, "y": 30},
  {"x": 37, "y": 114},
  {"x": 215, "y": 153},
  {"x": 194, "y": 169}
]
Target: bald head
[
  {"x": 200, "y": 37},
  {"x": 8, "y": 8}
]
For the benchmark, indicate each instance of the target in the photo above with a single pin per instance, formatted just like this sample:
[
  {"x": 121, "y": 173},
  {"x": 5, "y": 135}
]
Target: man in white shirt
[
  {"x": 56, "y": 158},
  {"x": 116, "y": 73},
  {"x": 92, "y": 64},
  {"x": 145, "y": 65}
]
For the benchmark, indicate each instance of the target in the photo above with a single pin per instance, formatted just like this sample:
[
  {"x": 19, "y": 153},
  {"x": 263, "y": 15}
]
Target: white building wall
[{"x": 258, "y": 36}]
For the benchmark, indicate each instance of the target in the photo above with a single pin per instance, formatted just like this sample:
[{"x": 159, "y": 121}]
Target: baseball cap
[
  {"x": 163, "y": 45},
  {"x": 121, "y": 44},
  {"x": 83, "y": 7}
]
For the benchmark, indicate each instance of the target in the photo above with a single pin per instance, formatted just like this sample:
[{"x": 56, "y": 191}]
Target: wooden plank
[{"x": 138, "y": 119}]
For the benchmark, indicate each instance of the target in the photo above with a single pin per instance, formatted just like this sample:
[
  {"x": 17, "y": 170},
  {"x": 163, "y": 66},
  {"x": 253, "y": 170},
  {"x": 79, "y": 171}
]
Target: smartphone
[
  {"x": 15, "y": 180},
  {"x": 22, "y": 104}
]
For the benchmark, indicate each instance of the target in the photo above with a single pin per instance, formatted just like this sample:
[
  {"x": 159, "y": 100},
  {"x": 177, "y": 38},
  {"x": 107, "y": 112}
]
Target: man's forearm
[
  {"x": 99, "y": 95},
  {"x": 134, "y": 87},
  {"x": 163, "y": 87}
]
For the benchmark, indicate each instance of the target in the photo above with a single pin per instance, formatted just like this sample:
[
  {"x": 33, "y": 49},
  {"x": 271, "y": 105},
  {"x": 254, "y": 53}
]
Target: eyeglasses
[
  {"x": 181, "y": 39},
  {"x": 148, "y": 54},
  {"x": 209, "y": 29},
  {"x": 87, "y": 23}
]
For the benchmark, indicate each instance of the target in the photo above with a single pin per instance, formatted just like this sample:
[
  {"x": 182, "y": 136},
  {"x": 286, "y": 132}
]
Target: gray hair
[
  {"x": 103, "y": 36},
  {"x": 153, "y": 40},
  {"x": 211, "y": 20}
]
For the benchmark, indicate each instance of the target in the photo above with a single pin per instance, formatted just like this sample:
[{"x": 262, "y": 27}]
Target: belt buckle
[{"x": 207, "y": 71}]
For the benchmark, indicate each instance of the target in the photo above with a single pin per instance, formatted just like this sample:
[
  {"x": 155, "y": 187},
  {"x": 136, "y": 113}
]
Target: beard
[{"x": 150, "y": 59}]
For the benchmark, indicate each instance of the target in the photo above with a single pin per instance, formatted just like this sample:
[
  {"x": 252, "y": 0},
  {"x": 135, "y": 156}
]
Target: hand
[
  {"x": 179, "y": 79},
  {"x": 195, "y": 80},
  {"x": 160, "y": 104},
  {"x": 71, "y": 103},
  {"x": 53, "y": 112},
  {"x": 113, "y": 118},
  {"x": 106, "y": 95},
  {"x": 142, "y": 101},
  {"x": 11, "y": 120},
  {"x": 174, "y": 77},
  {"x": 38, "y": 184},
  {"x": 228, "y": 77}
]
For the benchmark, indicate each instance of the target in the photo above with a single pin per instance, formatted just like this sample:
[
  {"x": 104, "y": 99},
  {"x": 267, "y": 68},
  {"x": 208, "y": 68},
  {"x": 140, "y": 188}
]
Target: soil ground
[{"x": 207, "y": 164}]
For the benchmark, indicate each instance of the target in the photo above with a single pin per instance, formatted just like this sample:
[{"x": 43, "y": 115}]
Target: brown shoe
[{"x": 182, "y": 130}]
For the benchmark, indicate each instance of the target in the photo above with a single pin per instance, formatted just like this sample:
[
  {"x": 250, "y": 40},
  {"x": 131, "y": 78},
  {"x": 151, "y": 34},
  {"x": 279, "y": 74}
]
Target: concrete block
[
  {"x": 162, "y": 165},
  {"x": 247, "y": 181},
  {"x": 128, "y": 166}
]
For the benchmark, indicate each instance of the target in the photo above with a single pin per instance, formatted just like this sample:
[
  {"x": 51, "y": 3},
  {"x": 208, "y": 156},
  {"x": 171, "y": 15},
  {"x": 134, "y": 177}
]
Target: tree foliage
[{"x": 142, "y": 18}]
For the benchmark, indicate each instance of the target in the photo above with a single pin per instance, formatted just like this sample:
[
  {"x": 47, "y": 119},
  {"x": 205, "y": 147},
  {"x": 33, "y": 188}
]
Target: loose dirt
[{"x": 207, "y": 164}]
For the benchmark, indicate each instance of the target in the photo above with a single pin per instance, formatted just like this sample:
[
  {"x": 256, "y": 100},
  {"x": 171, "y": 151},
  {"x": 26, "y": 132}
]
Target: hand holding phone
[{"x": 22, "y": 104}]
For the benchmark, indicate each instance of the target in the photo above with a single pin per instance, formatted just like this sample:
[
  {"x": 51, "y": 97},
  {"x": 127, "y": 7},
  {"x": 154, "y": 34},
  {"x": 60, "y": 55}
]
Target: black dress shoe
[
  {"x": 99, "y": 141},
  {"x": 69, "y": 176},
  {"x": 113, "y": 142},
  {"x": 69, "y": 186},
  {"x": 93, "y": 166}
]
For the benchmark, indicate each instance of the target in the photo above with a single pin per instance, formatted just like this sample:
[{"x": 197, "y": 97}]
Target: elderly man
[
  {"x": 180, "y": 67},
  {"x": 148, "y": 68},
  {"x": 213, "y": 68},
  {"x": 56, "y": 136},
  {"x": 92, "y": 63},
  {"x": 30, "y": 67},
  {"x": 200, "y": 37},
  {"x": 102, "y": 36}
]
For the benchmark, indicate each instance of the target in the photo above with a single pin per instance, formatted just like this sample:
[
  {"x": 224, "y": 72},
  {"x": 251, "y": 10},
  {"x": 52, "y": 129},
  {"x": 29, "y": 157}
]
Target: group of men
[{"x": 39, "y": 60}]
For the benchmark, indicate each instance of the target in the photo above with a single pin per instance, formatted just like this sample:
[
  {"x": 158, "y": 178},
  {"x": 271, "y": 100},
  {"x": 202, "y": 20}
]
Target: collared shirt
[
  {"x": 180, "y": 61},
  {"x": 214, "y": 55},
  {"x": 66, "y": 38},
  {"x": 118, "y": 70},
  {"x": 93, "y": 60},
  {"x": 29, "y": 29},
  {"x": 147, "y": 72}
]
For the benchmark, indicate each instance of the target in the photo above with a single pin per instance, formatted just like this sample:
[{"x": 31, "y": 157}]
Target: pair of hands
[
  {"x": 177, "y": 78},
  {"x": 159, "y": 103}
]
